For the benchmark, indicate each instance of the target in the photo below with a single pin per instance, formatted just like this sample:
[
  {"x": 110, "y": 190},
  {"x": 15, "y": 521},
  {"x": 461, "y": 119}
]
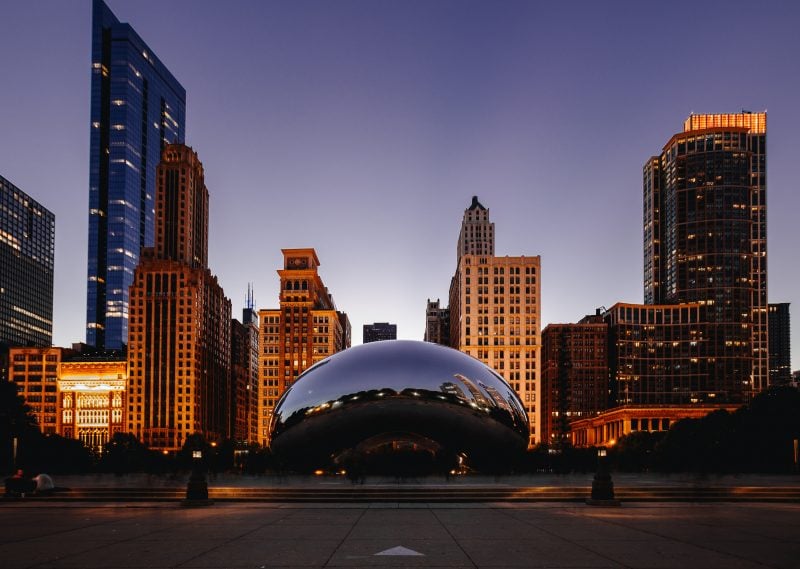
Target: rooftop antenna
[{"x": 250, "y": 301}]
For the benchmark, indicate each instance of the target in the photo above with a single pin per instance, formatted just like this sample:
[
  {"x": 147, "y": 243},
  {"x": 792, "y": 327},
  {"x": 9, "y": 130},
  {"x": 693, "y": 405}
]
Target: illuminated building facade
[
  {"x": 179, "y": 353},
  {"x": 780, "y": 346},
  {"x": 495, "y": 309},
  {"x": 379, "y": 331},
  {"x": 606, "y": 428},
  {"x": 91, "y": 397},
  {"x": 35, "y": 371},
  {"x": 437, "y": 323},
  {"x": 305, "y": 329},
  {"x": 658, "y": 355},
  {"x": 244, "y": 376},
  {"x": 75, "y": 395},
  {"x": 137, "y": 108},
  {"x": 705, "y": 241},
  {"x": 27, "y": 245},
  {"x": 575, "y": 375}
]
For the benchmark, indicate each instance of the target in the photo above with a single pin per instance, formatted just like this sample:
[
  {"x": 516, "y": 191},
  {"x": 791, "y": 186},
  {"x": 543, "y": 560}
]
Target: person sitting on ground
[{"x": 19, "y": 485}]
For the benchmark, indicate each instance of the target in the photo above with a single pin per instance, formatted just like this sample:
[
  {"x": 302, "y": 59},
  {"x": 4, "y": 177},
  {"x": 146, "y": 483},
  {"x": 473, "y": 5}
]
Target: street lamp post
[
  {"x": 602, "y": 485},
  {"x": 197, "y": 488}
]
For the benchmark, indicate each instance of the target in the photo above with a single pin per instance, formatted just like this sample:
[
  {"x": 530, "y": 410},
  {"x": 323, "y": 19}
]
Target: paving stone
[
  {"x": 666, "y": 554},
  {"x": 524, "y": 553},
  {"x": 657, "y": 536},
  {"x": 267, "y": 553},
  {"x": 134, "y": 554}
]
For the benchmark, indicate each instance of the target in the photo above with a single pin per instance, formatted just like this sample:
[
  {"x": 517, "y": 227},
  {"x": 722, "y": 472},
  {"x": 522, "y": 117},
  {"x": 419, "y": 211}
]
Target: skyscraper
[
  {"x": 27, "y": 244},
  {"x": 780, "y": 346},
  {"x": 379, "y": 331},
  {"x": 495, "y": 309},
  {"x": 699, "y": 343},
  {"x": 305, "y": 329},
  {"x": 179, "y": 353},
  {"x": 244, "y": 374},
  {"x": 705, "y": 241},
  {"x": 137, "y": 108}
]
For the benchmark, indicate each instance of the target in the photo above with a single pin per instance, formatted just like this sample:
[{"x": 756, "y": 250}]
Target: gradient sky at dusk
[{"x": 363, "y": 128}]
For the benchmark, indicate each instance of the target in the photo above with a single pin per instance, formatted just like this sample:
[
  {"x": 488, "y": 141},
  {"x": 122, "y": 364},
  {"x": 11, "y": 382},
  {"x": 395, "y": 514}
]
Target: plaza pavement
[
  {"x": 681, "y": 480},
  {"x": 38, "y": 534}
]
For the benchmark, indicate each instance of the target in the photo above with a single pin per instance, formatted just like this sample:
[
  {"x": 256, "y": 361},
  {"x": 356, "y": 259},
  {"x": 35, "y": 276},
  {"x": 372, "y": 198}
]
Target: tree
[
  {"x": 54, "y": 454},
  {"x": 633, "y": 452},
  {"x": 16, "y": 422},
  {"x": 756, "y": 438},
  {"x": 124, "y": 453},
  {"x": 770, "y": 424}
]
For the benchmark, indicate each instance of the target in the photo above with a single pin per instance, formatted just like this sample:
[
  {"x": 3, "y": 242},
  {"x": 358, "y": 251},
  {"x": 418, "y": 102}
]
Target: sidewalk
[
  {"x": 534, "y": 480},
  {"x": 663, "y": 536}
]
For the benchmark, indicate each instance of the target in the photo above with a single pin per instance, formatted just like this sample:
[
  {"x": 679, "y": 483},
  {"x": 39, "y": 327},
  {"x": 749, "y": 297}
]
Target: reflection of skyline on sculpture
[
  {"x": 392, "y": 393},
  {"x": 385, "y": 119}
]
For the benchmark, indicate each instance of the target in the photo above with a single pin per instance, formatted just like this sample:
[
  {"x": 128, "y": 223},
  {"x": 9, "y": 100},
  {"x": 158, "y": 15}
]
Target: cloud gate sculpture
[{"x": 399, "y": 399}]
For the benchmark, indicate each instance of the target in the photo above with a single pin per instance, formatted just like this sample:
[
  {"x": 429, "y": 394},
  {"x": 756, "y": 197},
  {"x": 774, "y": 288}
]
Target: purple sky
[{"x": 363, "y": 129}]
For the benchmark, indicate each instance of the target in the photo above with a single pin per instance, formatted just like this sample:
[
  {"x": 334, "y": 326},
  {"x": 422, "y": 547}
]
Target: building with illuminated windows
[
  {"x": 137, "y": 107},
  {"x": 91, "y": 397},
  {"x": 780, "y": 345},
  {"x": 305, "y": 329},
  {"x": 575, "y": 375},
  {"x": 27, "y": 246},
  {"x": 379, "y": 331},
  {"x": 179, "y": 353},
  {"x": 700, "y": 341},
  {"x": 73, "y": 394},
  {"x": 705, "y": 241},
  {"x": 495, "y": 309},
  {"x": 658, "y": 355},
  {"x": 35, "y": 371}
]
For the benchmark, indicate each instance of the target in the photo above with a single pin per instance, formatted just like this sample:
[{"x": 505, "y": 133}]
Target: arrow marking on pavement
[{"x": 400, "y": 550}]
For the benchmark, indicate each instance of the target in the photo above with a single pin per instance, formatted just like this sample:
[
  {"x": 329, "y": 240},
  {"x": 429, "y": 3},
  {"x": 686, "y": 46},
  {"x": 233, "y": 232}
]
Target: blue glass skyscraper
[{"x": 137, "y": 108}]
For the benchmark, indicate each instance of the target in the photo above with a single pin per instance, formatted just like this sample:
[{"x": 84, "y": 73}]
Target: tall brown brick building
[
  {"x": 179, "y": 354},
  {"x": 305, "y": 329},
  {"x": 575, "y": 375}
]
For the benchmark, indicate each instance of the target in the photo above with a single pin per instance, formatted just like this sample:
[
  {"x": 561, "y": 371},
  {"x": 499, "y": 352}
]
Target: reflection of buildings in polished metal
[{"x": 399, "y": 395}]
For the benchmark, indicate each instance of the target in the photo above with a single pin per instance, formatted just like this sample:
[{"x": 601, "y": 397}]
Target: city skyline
[{"x": 386, "y": 119}]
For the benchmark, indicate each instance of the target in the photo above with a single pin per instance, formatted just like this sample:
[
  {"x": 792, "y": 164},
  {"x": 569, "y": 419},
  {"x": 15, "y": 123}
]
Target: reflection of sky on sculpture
[
  {"x": 383, "y": 118},
  {"x": 412, "y": 369},
  {"x": 390, "y": 391}
]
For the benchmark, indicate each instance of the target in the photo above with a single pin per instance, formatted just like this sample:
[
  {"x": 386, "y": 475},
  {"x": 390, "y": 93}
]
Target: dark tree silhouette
[{"x": 16, "y": 421}]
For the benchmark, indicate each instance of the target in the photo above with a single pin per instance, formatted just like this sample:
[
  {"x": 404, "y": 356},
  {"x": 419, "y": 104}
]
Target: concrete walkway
[
  {"x": 529, "y": 480},
  {"x": 82, "y": 536}
]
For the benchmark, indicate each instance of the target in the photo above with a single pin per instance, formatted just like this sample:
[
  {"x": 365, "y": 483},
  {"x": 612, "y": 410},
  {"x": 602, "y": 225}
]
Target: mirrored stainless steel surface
[{"x": 399, "y": 391}]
